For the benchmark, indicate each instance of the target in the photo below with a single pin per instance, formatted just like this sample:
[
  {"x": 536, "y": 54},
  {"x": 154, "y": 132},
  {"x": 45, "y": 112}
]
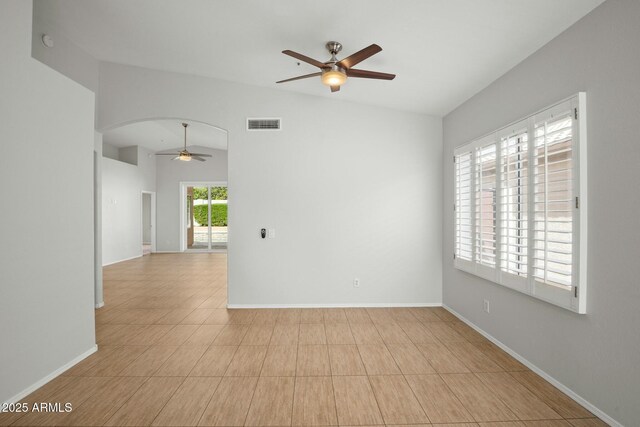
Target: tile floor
[{"x": 171, "y": 354}]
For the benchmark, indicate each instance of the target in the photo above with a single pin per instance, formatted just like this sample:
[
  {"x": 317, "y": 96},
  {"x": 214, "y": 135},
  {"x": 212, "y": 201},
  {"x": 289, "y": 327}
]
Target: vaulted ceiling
[{"x": 443, "y": 51}]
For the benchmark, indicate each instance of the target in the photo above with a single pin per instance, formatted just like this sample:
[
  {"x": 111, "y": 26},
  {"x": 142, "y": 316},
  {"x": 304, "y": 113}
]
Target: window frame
[{"x": 575, "y": 298}]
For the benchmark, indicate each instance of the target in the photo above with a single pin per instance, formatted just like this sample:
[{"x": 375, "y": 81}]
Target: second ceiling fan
[{"x": 334, "y": 72}]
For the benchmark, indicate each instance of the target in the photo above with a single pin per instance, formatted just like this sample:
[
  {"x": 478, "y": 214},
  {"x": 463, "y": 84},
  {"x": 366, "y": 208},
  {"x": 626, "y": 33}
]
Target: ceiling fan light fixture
[
  {"x": 334, "y": 77},
  {"x": 185, "y": 157}
]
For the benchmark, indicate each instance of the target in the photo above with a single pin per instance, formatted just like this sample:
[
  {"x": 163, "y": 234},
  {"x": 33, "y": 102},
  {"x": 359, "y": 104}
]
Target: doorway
[
  {"x": 204, "y": 216},
  {"x": 148, "y": 223}
]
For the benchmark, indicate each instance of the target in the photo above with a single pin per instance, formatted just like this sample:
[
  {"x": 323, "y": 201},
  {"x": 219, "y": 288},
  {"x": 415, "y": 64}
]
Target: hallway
[{"x": 170, "y": 353}]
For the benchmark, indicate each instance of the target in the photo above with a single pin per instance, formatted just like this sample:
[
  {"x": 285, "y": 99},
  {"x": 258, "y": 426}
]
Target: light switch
[{"x": 272, "y": 233}]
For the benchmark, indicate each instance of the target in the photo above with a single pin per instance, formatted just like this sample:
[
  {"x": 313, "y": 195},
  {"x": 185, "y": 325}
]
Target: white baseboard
[
  {"x": 167, "y": 252},
  {"x": 33, "y": 387},
  {"x": 100, "y": 304},
  {"x": 563, "y": 388},
  {"x": 122, "y": 260},
  {"x": 339, "y": 305}
]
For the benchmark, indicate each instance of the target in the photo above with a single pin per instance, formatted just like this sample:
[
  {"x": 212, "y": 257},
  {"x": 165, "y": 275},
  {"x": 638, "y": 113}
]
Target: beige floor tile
[
  {"x": 204, "y": 335},
  {"x": 396, "y": 401},
  {"x": 437, "y": 400},
  {"x": 547, "y": 423},
  {"x": 409, "y": 359},
  {"x": 242, "y": 317},
  {"x": 380, "y": 315},
  {"x": 392, "y": 333},
  {"x": 150, "y": 335},
  {"x": 231, "y": 335},
  {"x": 285, "y": 334},
  {"x": 272, "y": 402},
  {"x": 219, "y": 316},
  {"x": 467, "y": 332},
  {"x": 334, "y": 315},
  {"x": 313, "y": 402},
  {"x": 441, "y": 359},
  {"x": 214, "y": 362},
  {"x": 247, "y": 361},
  {"x": 175, "y": 316},
  {"x": 403, "y": 314},
  {"x": 377, "y": 360},
  {"x": 312, "y": 333},
  {"x": 178, "y": 335},
  {"x": 417, "y": 333},
  {"x": 76, "y": 392},
  {"x": 313, "y": 360},
  {"x": 289, "y": 316},
  {"x": 280, "y": 361},
  {"x": 258, "y": 334},
  {"x": 181, "y": 362},
  {"x": 424, "y": 314},
  {"x": 502, "y": 424},
  {"x": 517, "y": 397},
  {"x": 265, "y": 317},
  {"x": 149, "y": 361},
  {"x": 339, "y": 333},
  {"x": 444, "y": 314},
  {"x": 230, "y": 402},
  {"x": 115, "y": 362},
  {"x": 443, "y": 332},
  {"x": 124, "y": 335},
  {"x": 558, "y": 401},
  {"x": 500, "y": 357},
  {"x": 40, "y": 395},
  {"x": 101, "y": 406},
  {"x": 188, "y": 403},
  {"x": 197, "y": 316},
  {"x": 587, "y": 422},
  {"x": 472, "y": 357},
  {"x": 311, "y": 315},
  {"x": 146, "y": 403},
  {"x": 355, "y": 402},
  {"x": 479, "y": 400},
  {"x": 357, "y": 315},
  {"x": 345, "y": 360},
  {"x": 365, "y": 333}
]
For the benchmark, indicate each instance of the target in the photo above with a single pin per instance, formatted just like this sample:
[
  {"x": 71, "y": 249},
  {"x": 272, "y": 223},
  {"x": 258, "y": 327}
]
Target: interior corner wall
[
  {"x": 353, "y": 191},
  {"x": 122, "y": 186},
  {"x": 46, "y": 257},
  {"x": 170, "y": 175},
  {"x": 595, "y": 355}
]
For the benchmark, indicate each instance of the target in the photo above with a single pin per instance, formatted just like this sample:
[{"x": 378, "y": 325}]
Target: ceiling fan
[
  {"x": 185, "y": 155},
  {"x": 334, "y": 73}
]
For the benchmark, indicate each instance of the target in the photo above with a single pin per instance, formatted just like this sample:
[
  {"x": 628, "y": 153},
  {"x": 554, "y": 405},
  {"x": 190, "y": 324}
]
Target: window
[{"x": 520, "y": 198}]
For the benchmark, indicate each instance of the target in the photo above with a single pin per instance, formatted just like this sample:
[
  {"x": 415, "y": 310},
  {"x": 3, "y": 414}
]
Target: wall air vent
[{"x": 264, "y": 124}]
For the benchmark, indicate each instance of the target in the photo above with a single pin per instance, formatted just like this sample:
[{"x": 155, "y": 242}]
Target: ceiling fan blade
[
  {"x": 306, "y": 76},
  {"x": 306, "y": 59},
  {"x": 201, "y": 155},
  {"x": 359, "y": 56},
  {"x": 165, "y": 154},
  {"x": 198, "y": 158},
  {"x": 370, "y": 74},
  {"x": 335, "y": 88},
  {"x": 176, "y": 158}
]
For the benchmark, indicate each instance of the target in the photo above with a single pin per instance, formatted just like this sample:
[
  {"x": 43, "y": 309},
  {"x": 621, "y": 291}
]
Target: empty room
[{"x": 337, "y": 213}]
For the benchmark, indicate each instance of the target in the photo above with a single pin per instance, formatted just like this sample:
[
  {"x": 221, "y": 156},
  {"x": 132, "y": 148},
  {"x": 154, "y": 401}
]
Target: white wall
[
  {"x": 146, "y": 218},
  {"x": 597, "y": 354},
  {"x": 169, "y": 176},
  {"x": 352, "y": 190},
  {"x": 122, "y": 186},
  {"x": 47, "y": 129}
]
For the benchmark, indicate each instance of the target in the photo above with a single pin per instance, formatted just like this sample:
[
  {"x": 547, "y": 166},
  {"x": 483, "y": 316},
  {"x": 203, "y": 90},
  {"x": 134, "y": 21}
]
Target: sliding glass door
[{"x": 206, "y": 217}]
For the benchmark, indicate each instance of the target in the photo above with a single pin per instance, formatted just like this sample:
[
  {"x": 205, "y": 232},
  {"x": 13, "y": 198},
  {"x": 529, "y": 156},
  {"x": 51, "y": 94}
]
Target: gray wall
[
  {"x": 352, "y": 190},
  {"x": 597, "y": 354},
  {"x": 46, "y": 261}
]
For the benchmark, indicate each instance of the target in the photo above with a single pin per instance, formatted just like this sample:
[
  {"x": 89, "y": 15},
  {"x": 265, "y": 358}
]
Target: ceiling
[
  {"x": 161, "y": 135},
  {"x": 443, "y": 51}
]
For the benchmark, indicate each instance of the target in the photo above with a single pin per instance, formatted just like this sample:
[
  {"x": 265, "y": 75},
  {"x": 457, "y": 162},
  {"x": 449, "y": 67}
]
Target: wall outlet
[
  {"x": 356, "y": 283},
  {"x": 486, "y": 306}
]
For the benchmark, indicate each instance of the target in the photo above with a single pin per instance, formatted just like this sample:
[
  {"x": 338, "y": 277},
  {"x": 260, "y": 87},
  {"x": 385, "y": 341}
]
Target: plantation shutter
[
  {"x": 519, "y": 193},
  {"x": 463, "y": 238},
  {"x": 514, "y": 206},
  {"x": 485, "y": 205}
]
